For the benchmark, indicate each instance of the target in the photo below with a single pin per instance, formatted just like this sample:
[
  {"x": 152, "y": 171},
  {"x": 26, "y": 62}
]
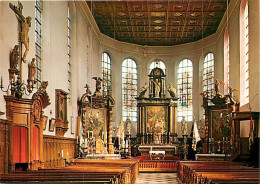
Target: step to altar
[{"x": 103, "y": 156}]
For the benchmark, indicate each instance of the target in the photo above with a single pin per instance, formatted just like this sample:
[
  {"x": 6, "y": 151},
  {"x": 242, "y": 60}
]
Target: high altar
[{"x": 157, "y": 118}]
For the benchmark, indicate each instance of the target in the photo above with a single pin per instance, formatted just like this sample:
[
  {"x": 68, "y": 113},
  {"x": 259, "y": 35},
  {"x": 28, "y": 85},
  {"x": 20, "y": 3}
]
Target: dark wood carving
[
  {"x": 61, "y": 112},
  {"x": 89, "y": 107}
]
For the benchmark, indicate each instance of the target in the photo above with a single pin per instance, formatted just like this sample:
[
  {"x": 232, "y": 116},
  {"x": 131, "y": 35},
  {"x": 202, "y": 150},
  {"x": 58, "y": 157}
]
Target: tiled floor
[{"x": 157, "y": 178}]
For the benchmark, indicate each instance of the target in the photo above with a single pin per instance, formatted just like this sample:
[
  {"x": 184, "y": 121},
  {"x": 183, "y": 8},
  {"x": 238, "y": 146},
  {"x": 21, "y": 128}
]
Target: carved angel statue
[
  {"x": 231, "y": 94},
  {"x": 172, "y": 90},
  {"x": 143, "y": 90},
  {"x": 25, "y": 24}
]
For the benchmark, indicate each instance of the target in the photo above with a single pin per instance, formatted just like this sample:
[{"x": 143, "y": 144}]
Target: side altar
[
  {"x": 95, "y": 114},
  {"x": 157, "y": 115}
]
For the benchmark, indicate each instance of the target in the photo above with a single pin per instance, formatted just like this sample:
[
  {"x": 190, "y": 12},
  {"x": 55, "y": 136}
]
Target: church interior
[{"x": 129, "y": 91}]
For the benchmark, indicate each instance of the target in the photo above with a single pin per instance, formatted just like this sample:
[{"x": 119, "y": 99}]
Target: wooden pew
[{"x": 216, "y": 172}]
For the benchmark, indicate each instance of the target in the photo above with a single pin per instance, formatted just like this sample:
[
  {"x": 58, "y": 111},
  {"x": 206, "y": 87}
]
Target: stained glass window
[
  {"x": 38, "y": 39},
  {"x": 244, "y": 53},
  {"x": 185, "y": 76},
  {"x": 208, "y": 74},
  {"x": 129, "y": 90},
  {"x": 106, "y": 72},
  {"x": 69, "y": 50},
  {"x": 158, "y": 64}
]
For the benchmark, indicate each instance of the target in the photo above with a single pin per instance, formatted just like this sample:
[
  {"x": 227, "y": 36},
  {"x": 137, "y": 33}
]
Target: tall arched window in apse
[
  {"x": 158, "y": 64},
  {"x": 208, "y": 74},
  {"x": 129, "y": 90},
  {"x": 69, "y": 51},
  {"x": 106, "y": 73},
  {"x": 226, "y": 61},
  {"x": 38, "y": 39},
  {"x": 185, "y": 76},
  {"x": 244, "y": 53}
]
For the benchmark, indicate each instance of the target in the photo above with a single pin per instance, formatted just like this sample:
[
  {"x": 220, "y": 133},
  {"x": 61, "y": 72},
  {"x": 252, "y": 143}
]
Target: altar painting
[
  {"x": 156, "y": 119},
  {"x": 221, "y": 124},
  {"x": 96, "y": 122}
]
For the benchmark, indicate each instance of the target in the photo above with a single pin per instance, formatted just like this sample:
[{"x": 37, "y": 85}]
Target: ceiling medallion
[
  {"x": 177, "y": 14},
  {"x": 157, "y": 14},
  {"x": 158, "y": 21},
  {"x": 157, "y": 28},
  {"x": 121, "y": 14},
  {"x": 158, "y": 6},
  {"x": 195, "y": 14},
  {"x": 139, "y": 14},
  {"x": 213, "y": 14}
]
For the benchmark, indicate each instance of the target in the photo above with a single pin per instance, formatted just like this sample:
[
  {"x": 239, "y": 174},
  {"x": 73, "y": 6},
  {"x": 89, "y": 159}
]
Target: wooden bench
[
  {"x": 216, "y": 172},
  {"x": 83, "y": 171}
]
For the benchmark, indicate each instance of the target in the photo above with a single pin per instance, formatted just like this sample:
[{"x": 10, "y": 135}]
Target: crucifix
[{"x": 23, "y": 25}]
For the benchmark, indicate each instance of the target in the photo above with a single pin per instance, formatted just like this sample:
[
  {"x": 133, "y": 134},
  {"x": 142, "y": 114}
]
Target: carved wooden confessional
[{"x": 25, "y": 119}]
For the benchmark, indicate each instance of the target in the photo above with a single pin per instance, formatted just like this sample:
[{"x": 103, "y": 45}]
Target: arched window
[
  {"x": 208, "y": 74},
  {"x": 226, "y": 61},
  {"x": 69, "y": 52},
  {"x": 106, "y": 72},
  {"x": 38, "y": 39},
  {"x": 129, "y": 90},
  {"x": 185, "y": 73},
  {"x": 158, "y": 64},
  {"x": 244, "y": 53}
]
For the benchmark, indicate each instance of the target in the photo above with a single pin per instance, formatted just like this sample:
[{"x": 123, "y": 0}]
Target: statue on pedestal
[
  {"x": 128, "y": 126},
  {"x": 143, "y": 90},
  {"x": 184, "y": 126},
  {"x": 172, "y": 90},
  {"x": 157, "y": 88}
]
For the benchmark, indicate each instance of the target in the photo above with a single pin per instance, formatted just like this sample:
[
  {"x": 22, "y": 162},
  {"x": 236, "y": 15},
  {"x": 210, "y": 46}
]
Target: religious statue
[
  {"x": 25, "y": 24},
  {"x": 217, "y": 87},
  {"x": 128, "y": 126},
  {"x": 172, "y": 90},
  {"x": 88, "y": 92},
  {"x": 184, "y": 126},
  {"x": 98, "y": 85},
  {"x": 143, "y": 90},
  {"x": 14, "y": 57},
  {"x": 157, "y": 87},
  {"x": 205, "y": 98},
  {"x": 231, "y": 94},
  {"x": 32, "y": 71}
]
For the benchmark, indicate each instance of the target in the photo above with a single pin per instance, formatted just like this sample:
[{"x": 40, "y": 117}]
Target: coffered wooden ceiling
[{"x": 158, "y": 22}]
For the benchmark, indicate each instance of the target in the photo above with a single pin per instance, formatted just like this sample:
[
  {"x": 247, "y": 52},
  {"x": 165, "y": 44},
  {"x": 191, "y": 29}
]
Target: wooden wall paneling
[
  {"x": 4, "y": 126},
  {"x": 53, "y": 147}
]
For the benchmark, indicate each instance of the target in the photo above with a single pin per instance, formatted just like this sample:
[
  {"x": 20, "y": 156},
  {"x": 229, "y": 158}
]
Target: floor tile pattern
[{"x": 157, "y": 178}]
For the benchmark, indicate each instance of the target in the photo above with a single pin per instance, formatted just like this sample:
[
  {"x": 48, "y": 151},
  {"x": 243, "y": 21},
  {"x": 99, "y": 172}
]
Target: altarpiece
[
  {"x": 157, "y": 118},
  {"x": 95, "y": 112}
]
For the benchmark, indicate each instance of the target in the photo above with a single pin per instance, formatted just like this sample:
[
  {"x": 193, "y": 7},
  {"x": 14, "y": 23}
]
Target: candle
[{"x": 61, "y": 153}]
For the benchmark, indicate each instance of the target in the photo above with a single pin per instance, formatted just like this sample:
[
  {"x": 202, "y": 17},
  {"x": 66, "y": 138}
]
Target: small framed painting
[
  {"x": 44, "y": 121},
  {"x": 52, "y": 125}
]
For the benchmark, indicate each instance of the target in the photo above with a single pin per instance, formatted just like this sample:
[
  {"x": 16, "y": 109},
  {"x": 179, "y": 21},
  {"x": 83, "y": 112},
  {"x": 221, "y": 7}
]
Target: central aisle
[{"x": 157, "y": 178}]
